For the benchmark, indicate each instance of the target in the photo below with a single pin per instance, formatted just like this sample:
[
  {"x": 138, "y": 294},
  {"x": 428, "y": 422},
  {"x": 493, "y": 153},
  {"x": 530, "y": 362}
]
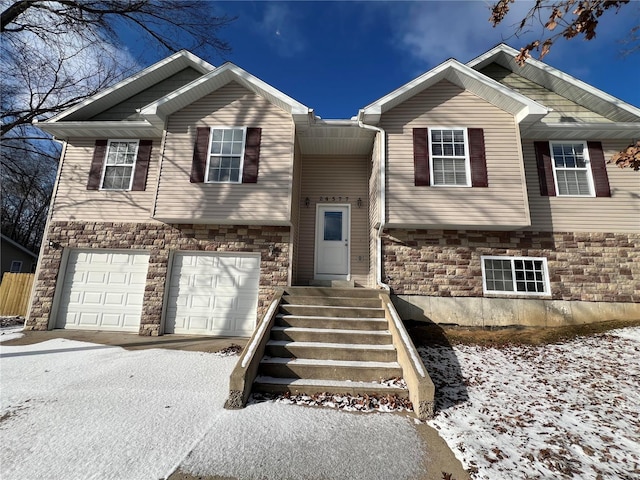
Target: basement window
[{"x": 515, "y": 275}]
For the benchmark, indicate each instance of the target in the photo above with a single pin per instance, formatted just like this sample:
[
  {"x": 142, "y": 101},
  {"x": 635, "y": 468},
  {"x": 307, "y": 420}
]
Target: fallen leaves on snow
[{"x": 561, "y": 411}]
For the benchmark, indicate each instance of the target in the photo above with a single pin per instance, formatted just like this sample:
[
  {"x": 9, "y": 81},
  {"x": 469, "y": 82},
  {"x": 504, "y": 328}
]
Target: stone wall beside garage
[
  {"x": 272, "y": 242},
  {"x": 437, "y": 275}
]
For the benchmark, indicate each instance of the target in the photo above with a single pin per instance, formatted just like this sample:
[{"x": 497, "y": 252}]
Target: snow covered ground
[
  {"x": 569, "y": 410},
  {"x": 79, "y": 410}
]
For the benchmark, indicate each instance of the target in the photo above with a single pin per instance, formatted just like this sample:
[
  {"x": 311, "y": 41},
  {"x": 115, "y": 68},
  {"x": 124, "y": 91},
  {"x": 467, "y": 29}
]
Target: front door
[{"x": 332, "y": 242}]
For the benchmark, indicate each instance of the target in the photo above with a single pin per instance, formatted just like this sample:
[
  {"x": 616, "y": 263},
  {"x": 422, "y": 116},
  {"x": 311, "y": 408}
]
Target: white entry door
[{"x": 332, "y": 241}]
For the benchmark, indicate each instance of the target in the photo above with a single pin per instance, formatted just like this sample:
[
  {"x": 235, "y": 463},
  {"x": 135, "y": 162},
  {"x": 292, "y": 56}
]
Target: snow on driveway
[
  {"x": 79, "y": 410},
  {"x": 569, "y": 410}
]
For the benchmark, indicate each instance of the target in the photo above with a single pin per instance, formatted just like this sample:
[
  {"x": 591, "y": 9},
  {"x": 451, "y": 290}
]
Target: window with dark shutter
[
  {"x": 251, "y": 155},
  {"x": 545, "y": 169},
  {"x": 142, "y": 165},
  {"x": 95, "y": 171},
  {"x": 477, "y": 158},
  {"x": 599, "y": 169},
  {"x": 200, "y": 153},
  {"x": 421, "y": 157},
  {"x": 226, "y": 155}
]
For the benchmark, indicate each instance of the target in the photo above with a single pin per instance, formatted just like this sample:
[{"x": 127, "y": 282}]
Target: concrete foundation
[{"x": 485, "y": 312}]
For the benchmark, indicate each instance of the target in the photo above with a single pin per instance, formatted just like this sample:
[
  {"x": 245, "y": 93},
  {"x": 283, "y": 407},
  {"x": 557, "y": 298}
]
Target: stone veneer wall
[
  {"x": 159, "y": 240},
  {"x": 590, "y": 267}
]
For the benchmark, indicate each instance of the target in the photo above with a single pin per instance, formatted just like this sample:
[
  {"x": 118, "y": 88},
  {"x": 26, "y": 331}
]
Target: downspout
[{"x": 381, "y": 200}]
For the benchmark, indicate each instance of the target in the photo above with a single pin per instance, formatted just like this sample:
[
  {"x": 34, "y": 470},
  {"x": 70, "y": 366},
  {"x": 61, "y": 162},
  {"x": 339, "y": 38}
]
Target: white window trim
[
  {"x": 515, "y": 292},
  {"x": 18, "y": 266},
  {"x": 467, "y": 161},
  {"x": 133, "y": 165},
  {"x": 587, "y": 159},
  {"x": 209, "y": 154}
]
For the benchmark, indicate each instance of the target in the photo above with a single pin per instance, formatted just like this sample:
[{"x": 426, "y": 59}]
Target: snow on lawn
[
  {"x": 10, "y": 333},
  {"x": 568, "y": 410},
  {"x": 79, "y": 410}
]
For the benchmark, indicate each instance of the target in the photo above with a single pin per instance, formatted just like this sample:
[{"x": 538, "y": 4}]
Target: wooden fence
[{"x": 15, "y": 291}]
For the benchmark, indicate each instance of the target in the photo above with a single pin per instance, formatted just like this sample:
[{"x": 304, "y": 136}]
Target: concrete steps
[{"x": 333, "y": 340}]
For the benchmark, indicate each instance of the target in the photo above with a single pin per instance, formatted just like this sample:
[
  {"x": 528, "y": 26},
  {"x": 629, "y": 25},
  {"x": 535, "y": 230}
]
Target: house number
[{"x": 333, "y": 199}]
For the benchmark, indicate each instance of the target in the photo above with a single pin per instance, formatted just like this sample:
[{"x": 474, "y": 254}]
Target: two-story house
[{"x": 478, "y": 193}]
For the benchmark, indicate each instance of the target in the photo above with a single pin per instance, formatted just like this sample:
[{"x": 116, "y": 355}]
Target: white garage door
[
  {"x": 213, "y": 294},
  {"x": 103, "y": 290}
]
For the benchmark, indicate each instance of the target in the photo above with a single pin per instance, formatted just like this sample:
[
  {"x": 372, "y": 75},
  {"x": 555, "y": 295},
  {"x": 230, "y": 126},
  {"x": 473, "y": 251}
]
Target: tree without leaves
[
  {"x": 561, "y": 19},
  {"x": 55, "y": 54}
]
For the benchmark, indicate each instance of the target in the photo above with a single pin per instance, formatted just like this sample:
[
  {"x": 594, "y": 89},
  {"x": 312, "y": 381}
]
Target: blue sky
[{"x": 337, "y": 57}]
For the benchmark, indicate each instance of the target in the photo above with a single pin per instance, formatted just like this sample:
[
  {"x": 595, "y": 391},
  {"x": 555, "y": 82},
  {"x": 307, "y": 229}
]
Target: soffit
[{"x": 344, "y": 138}]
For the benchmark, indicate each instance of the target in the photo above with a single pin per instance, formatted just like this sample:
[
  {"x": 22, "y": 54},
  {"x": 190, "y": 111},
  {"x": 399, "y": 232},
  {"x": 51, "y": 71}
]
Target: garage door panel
[
  {"x": 118, "y": 278},
  {"x": 92, "y": 298},
  {"x": 110, "y": 320},
  {"x": 204, "y": 294},
  {"x": 88, "y": 319},
  {"x": 207, "y": 280},
  {"x": 103, "y": 290}
]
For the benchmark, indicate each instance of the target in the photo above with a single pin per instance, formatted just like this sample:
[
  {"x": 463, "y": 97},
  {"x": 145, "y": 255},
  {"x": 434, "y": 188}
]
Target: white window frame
[
  {"x": 209, "y": 154},
  {"x": 467, "y": 161},
  {"x": 587, "y": 168},
  {"x": 133, "y": 165},
  {"x": 16, "y": 266},
  {"x": 512, "y": 259}
]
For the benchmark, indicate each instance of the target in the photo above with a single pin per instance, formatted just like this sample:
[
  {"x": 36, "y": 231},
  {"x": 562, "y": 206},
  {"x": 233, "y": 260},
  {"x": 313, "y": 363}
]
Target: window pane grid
[
  {"x": 448, "y": 153},
  {"x": 119, "y": 162},
  {"x": 571, "y": 169},
  {"x": 515, "y": 275},
  {"x": 225, "y": 155}
]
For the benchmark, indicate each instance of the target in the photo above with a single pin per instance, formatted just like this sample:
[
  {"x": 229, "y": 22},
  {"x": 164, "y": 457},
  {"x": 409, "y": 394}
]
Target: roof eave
[
  {"x": 522, "y": 107},
  {"x": 173, "y": 64},
  {"x": 180, "y": 98},
  {"x": 113, "y": 129},
  {"x": 505, "y": 52}
]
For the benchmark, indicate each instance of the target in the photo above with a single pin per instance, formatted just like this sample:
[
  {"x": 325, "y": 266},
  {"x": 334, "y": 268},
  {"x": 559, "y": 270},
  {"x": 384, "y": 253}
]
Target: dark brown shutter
[
  {"x": 95, "y": 172},
  {"x": 545, "y": 170},
  {"x": 477, "y": 158},
  {"x": 599, "y": 169},
  {"x": 421, "y": 157},
  {"x": 200, "y": 151},
  {"x": 251, "y": 155},
  {"x": 142, "y": 165}
]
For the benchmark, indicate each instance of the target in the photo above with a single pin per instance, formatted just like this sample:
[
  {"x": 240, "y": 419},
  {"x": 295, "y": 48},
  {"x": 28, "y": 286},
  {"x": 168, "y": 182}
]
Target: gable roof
[
  {"x": 16, "y": 245},
  {"x": 523, "y": 108},
  {"x": 73, "y": 120},
  {"x": 561, "y": 83},
  {"x": 157, "y": 111}
]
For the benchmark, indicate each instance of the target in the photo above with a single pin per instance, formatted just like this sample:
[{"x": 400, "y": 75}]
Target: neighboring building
[
  {"x": 15, "y": 258},
  {"x": 479, "y": 193}
]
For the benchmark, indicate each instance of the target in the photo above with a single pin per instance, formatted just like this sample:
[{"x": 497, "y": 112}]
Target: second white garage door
[{"x": 213, "y": 294}]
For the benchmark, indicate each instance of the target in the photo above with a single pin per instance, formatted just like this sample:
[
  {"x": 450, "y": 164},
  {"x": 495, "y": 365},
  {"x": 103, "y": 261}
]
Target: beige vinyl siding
[
  {"x": 502, "y": 205},
  {"x": 127, "y": 110},
  {"x": 335, "y": 177},
  {"x": 563, "y": 108},
  {"x": 296, "y": 206},
  {"x": 374, "y": 208},
  {"x": 618, "y": 213},
  {"x": 265, "y": 202},
  {"x": 74, "y": 202}
]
